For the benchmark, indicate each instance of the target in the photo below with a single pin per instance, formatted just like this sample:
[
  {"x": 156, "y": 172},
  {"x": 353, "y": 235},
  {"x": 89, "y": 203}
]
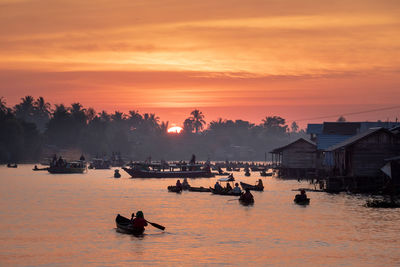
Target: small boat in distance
[
  {"x": 165, "y": 170},
  {"x": 9, "y": 165}
]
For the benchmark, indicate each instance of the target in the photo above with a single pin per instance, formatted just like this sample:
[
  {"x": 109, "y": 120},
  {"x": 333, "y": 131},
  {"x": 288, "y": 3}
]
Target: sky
[{"x": 231, "y": 59}]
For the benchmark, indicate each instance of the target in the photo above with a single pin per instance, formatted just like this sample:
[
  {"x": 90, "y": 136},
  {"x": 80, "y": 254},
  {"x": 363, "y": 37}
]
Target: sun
[{"x": 175, "y": 129}]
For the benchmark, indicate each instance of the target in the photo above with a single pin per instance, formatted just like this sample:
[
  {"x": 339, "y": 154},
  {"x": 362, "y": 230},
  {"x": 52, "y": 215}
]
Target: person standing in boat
[
  {"x": 260, "y": 183},
  {"x": 139, "y": 222}
]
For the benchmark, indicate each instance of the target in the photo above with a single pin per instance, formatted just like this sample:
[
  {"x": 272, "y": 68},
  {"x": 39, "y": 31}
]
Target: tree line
[{"x": 34, "y": 128}]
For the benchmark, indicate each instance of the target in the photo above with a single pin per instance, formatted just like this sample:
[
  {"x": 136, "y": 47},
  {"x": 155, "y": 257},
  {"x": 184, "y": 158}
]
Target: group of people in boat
[
  {"x": 181, "y": 186},
  {"x": 245, "y": 196}
]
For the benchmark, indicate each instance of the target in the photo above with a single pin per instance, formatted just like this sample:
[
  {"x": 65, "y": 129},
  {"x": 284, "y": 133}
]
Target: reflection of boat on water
[
  {"x": 165, "y": 170},
  {"x": 68, "y": 167}
]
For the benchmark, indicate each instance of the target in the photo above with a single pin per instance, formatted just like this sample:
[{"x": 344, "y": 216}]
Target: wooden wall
[
  {"x": 366, "y": 157},
  {"x": 300, "y": 155}
]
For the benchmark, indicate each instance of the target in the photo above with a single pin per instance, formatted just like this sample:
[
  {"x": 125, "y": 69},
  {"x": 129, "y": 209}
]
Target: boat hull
[
  {"x": 224, "y": 193},
  {"x": 251, "y": 187},
  {"x": 168, "y": 174},
  {"x": 124, "y": 225},
  {"x": 65, "y": 170}
]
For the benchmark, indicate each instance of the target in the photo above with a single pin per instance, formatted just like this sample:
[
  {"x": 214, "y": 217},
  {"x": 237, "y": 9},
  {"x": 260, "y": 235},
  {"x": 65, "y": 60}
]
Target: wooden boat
[
  {"x": 236, "y": 169},
  {"x": 12, "y": 165},
  {"x": 301, "y": 201},
  {"x": 157, "y": 170},
  {"x": 125, "y": 225},
  {"x": 69, "y": 167},
  {"x": 251, "y": 187},
  {"x": 40, "y": 169},
  {"x": 224, "y": 193},
  {"x": 386, "y": 204},
  {"x": 199, "y": 189},
  {"x": 246, "y": 202},
  {"x": 264, "y": 173},
  {"x": 175, "y": 189}
]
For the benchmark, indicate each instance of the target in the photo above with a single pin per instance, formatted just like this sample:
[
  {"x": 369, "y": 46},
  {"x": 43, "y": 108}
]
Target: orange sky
[{"x": 230, "y": 59}]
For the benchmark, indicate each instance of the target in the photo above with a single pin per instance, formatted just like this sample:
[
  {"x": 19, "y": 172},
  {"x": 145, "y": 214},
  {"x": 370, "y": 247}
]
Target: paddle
[{"x": 156, "y": 225}]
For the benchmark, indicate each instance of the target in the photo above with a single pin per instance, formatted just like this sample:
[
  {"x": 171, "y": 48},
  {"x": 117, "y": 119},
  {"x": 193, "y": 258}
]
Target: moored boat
[
  {"x": 68, "y": 167},
  {"x": 125, "y": 225},
  {"x": 251, "y": 187},
  {"x": 158, "y": 170}
]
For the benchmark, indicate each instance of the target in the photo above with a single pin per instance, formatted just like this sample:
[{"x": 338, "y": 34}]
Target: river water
[{"x": 69, "y": 219}]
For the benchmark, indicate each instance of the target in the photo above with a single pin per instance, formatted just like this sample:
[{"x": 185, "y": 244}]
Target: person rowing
[
  {"x": 138, "y": 222},
  {"x": 247, "y": 196}
]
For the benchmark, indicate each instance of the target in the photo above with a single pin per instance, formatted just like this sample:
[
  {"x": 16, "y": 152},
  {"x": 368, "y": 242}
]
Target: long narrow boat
[
  {"x": 199, "y": 189},
  {"x": 251, "y": 187},
  {"x": 145, "y": 170},
  {"x": 125, "y": 225},
  {"x": 173, "y": 188},
  {"x": 224, "y": 193}
]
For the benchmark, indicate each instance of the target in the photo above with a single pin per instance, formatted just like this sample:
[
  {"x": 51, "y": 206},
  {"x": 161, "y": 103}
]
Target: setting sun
[{"x": 175, "y": 129}]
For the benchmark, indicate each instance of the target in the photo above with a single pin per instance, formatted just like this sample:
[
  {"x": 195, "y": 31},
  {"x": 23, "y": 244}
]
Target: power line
[{"x": 350, "y": 113}]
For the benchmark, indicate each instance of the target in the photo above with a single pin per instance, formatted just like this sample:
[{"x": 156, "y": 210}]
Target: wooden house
[
  {"x": 362, "y": 156},
  {"x": 295, "y": 160}
]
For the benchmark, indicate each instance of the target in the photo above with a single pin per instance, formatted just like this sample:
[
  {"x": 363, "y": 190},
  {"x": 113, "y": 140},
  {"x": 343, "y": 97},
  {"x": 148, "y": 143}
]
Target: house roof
[
  {"x": 341, "y": 128},
  {"x": 279, "y": 149},
  {"x": 356, "y": 138},
  {"x": 314, "y": 128},
  {"x": 325, "y": 141}
]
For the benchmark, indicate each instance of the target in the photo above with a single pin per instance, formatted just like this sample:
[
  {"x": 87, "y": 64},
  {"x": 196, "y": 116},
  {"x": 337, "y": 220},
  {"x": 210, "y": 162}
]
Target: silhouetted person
[{"x": 247, "y": 196}]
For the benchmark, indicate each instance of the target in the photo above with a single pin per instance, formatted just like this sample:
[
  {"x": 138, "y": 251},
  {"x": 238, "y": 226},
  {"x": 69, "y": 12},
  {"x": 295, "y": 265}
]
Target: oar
[
  {"x": 233, "y": 199},
  {"x": 156, "y": 225}
]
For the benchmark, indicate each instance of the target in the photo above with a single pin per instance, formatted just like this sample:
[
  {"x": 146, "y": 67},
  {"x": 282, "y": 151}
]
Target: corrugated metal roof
[
  {"x": 325, "y": 141},
  {"x": 365, "y": 125},
  {"x": 313, "y": 128},
  {"x": 298, "y": 140},
  {"x": 341, "y": 128},
  {"x": 357, "y": 137}
]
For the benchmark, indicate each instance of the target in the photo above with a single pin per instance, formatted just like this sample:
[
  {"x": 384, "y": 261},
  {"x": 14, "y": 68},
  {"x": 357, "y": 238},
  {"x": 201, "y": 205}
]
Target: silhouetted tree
[
  {"x": 294, "y": 127},
  {"x": 197, "y": 118},
  {"x": 25, "y": 110},
  {"x": 341, "y": 119}
]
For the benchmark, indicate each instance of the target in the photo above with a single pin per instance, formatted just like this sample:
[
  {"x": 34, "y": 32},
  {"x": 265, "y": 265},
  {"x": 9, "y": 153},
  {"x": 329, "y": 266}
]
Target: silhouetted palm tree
[
  {"x": 164, "y": 126},
  {"x": 197, "y": 118},
  {"x": 134, "y": 119},
  {"x": 25, "y": 110}
]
